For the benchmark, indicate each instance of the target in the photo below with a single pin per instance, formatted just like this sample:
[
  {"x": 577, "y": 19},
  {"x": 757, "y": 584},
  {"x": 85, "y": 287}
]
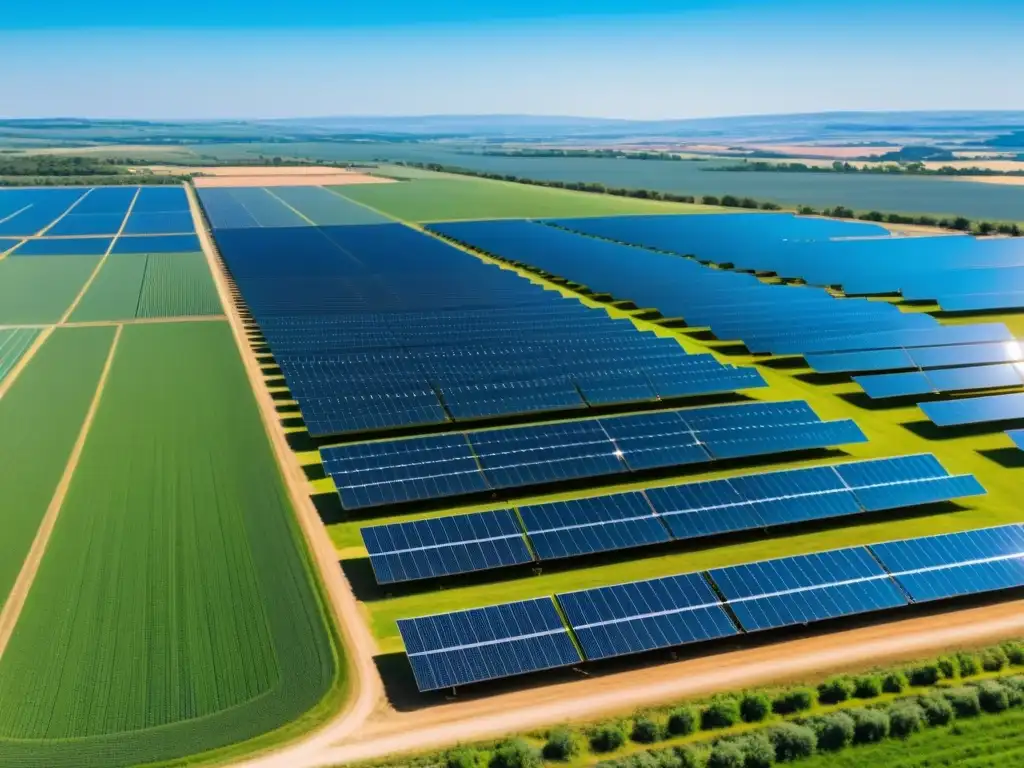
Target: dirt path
[
  {"x": 27, "y": 574},
  {"x": 365, "y": 688}
]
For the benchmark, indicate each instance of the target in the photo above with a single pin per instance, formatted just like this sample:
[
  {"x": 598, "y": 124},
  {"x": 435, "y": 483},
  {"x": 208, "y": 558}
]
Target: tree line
[
  {"x": 958, "y": 223},
  {"x": 839, "y": 166}
]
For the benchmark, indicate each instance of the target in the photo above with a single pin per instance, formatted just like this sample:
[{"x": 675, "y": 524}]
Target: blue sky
[{"x": 641, "y": 59}]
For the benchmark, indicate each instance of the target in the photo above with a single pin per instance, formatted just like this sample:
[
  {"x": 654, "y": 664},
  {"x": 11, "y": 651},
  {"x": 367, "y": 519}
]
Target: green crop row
[{"x": 14, "y": 342}]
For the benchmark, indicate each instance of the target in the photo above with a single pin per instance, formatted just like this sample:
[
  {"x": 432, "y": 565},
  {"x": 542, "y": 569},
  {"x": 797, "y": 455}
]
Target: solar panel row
[
  {"x": 920, "y": 357},
  {"x": 465, "y": 543},
  {"x": 641, "y": 616},
  {"x": 887, "y": 385},
  {"x": 397, "y": 471},
  {"x": 975, "y": 410}
]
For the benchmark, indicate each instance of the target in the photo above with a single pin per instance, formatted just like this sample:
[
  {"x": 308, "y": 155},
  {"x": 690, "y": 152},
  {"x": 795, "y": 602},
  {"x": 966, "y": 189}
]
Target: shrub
[
  {"x": 937, "y": 710},
  {"x": 905, "y": 718},
  {"x": 894, "y": 682},
  {"x": 796, "y": 700},
  {"x": 835, "y": 731},
  {"x": 927, "y": 674},
  {"x": 682, "y": 721},
  {"x": 966, "y": 665},
  {"x": 835, "y": 690},
  {"x": 758, "y": 751},
  {"x": 463, "y": 757},
  {"x": 639, "y": 760},
  {"x": 722, "y": 712},
  {"x": 964, "y": 701},
  {"x": 515, "y": 753},
  {"x": 947, "y": 667},
  {"x": 992, "y": 697},
  {"x": 688, "y": 757},
  {"x": 869, "y": 725},
  {"x": 1014, "y": 653},
  {"x": 754, "y": 707},
  {"x": 607, "y": 738},
  {"x": 562, "y": 744},
  {"x": 792, "y": 741},
  {"x": 1014, "y": 689},
  {"x": 645, "y": 731},
  {"x": 709, "y": 200},
  {"x": 867, "y": 687},
  {"x": 726, "y": 754},
  {"x": 994, "y": 660}
]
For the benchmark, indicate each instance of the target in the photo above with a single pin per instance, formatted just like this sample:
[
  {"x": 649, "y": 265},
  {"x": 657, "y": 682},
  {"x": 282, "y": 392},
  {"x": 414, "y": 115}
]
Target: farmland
[
  {"x": 13, "y": 344},
  {"x": 40, "y": 289}
]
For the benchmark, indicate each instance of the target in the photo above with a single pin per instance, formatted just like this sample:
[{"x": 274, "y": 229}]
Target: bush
[
  {"x": 758, "y": 751},
  {"x": 463, "y": 757},
  {"x": 937, "y": 710},
  {"x": 562, "y": 744},
  {"x": 869, "y": 725},
  {"x": 790, "y": 702},
  {"x": 607, "y": 738},
  {"x": 722, "y": 712},
  {"x": 927, "y": 674},
  {"x": 754, "y": 707},
  {"x": 947, "y": 667},
  {"x": 726, "y": 754},
  {"x": 1014, "y": 690},
  {"x": 1014, "y": 653},
  {"x": 682, "y": 721},
  {"x": 964, "y": 701},
  {"x": 687, "y": 757},
  {"x": 645, "y": 731},
  {"x": 994, "y": 660},
  {"x": 966, "y": 665},
  {"x": 515, "y": 753},
  {"x": 709, "y": 200},
  {"x": 792, "y": 741},
  {"x": 835, "y": 690},
  {"x": 992, "y": 697},
  {"x": 867, "y": 687},
  {"x": 835, "y": 731},
  {"x": 894, "y": 682},
  {"x": 905, "y": 718}
]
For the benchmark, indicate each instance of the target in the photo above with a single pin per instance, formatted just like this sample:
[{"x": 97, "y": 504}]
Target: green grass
[
  {"x": 154, "y": 285},
  {"x": 39, "y": 289},
  {"x": 448, "y": 199},
  {"x": 40, "y": 418},
  {"x": 174, "y": 612},
  {"x": 14, "y": 342},
  {"x": 990, "y": 741},
  {"x": 178, "y": 285}
]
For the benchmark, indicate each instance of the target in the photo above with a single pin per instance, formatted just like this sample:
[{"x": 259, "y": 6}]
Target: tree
[
  {"x": 722, "y": 712},
  {"x": 562, "y": 744},
  {"x": 905, "y": 718},
  {"x": 758, "y": 751},
  {"x": 463, "y": 757},
  {"x": 710, "y": 200},
  {"x": 1014, "y": 653},
  {"x": 792, "y": 741},
  {"x": 835, "y": 690},
  {"x": 729, "y": 201},
  {"x": 961, "y": 223},
  {"x": 645, "y": 731},
  {"x": 796, "y": 700},
  {"x": 986, "y": 228},
  {"x": 994, "y": 660},
  {"x": 992, "y": 697},
  {"x": 726, "y": 754},
  {"x": 607, "y": 738},
  {"x": 867, "y": 687},
  {"x": 926, "y": 674},
  {"x": 894, "y": 682},
  {"x": 754, "y": 707},
  {"x": 869, "y": 725},
  {"x": 937, "y": 711},
  {"x": 515, "y": 753},
  {"x": 964, "y": 701},
  {"x": 682, "y": 721},
  {"x": 967, "y": 665}
]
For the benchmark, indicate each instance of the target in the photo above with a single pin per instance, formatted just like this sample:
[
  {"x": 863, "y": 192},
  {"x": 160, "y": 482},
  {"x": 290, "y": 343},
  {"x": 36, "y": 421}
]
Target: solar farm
[{"x": 454, "y": 450}]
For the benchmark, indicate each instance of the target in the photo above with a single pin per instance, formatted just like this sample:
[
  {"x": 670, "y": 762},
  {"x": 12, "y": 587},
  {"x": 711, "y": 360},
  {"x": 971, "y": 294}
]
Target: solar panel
[
  {"x": 976, "y": 410},
  {"x": 604, "y": 389},
  {"x": 886, "y": 385},
  {"x": 851, "y": 362},
  {"x": 978, "y": 302},
  {"x": 442, "y": 546},
  {"x": 345, "y": 413},
  {"x": 799, "y": 495},
  {"x": 1018, "y": 438},
  {"x": 949, "y": 565},
  {"x": 452, "y": 649},
  {"x": 806, "y": 588},
  {"x": 496, "y": 399},
  {"x": 644, "y": 615},
  {"x": 980, "y": 377},
  {"x": 967, "y": 354},
  {"x": 599, "y": 524},
  {"x": 757, "y": 441},
  {"x": 372, "y": 474}
]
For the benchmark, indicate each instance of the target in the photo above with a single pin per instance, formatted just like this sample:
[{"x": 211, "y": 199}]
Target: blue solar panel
[
  {"x": 757, "y": 441},
  {"x": 603, "y": 389},
  {"x": 972, "y": 562},
  {"x": 503, "y": 398},
  {"x": 599, "y": 524},
  {"x": 976, "y": 410},
  {"x": 780, "y": 498},
  {"x": 441, "y": 546},
  {"x": 702, "y": 509},
  {"x": 371, "y": 474},
  {"x": 644, "y": 615},
  {"x": 1018, "y": 438},
  {"x": 368, "y": 411},
  {"x": 886, "y": 385},
  {"x": 851, "y": 362},
  {"x": 980, "y": 377},
  {"x": 806, "y": 588},
  {"x": 967, "y": 354},
  {"x": 453, "y": 649}
]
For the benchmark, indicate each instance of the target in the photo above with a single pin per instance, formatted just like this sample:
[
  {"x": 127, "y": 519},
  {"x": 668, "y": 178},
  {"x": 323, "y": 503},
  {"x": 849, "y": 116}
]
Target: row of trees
[
  {"x": 958, "y": 223},
  {"x": 839, "y": 166}
]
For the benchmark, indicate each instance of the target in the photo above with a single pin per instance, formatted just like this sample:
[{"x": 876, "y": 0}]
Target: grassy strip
[
  {"x": 39, "y": 289},
  {"x": 40, "y": 418},
  {"x": 191, "y": 623}
]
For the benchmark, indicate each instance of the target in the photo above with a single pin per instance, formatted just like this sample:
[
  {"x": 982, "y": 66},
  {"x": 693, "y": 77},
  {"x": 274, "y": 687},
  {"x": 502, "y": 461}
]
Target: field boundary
[
  {"x": 26, "y": 576},
  {"x": 356, "y": 644}
]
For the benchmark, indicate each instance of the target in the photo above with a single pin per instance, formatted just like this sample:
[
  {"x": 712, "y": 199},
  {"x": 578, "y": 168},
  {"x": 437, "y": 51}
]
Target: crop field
[
  {"x": 39, "y": 290},
  {"x": 40, "y": 418},
  {"x": 13, "y": 344},
  {"x": 176, "y": 514},
  {"x": 455, "y": 198}
]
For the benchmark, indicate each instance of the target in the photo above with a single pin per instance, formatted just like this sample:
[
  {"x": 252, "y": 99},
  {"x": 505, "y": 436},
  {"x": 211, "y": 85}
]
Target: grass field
[
  {"x": 14, "y": 342},
  {"x": 174, "y": 602},
  {"x": 154, "y": 285},
  {"x": 453, "y": 198},
  {"x": 41, "y": 288},
  {"x": 40, "y": 418},
  {"x": 991, "y": 741}
]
